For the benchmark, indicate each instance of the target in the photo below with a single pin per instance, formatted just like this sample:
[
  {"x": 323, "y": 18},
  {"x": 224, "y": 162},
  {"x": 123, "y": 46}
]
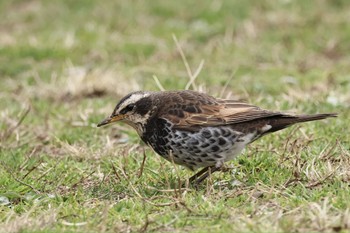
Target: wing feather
[{"x": 190, "y": 113}]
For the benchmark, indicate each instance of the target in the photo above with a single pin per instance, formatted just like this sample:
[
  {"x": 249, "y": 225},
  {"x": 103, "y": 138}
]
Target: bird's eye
[{"x": 128, "y": 108}]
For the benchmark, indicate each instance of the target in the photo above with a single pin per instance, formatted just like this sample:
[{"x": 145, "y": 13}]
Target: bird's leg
[
  {"x": 198, "y": 174},
  {"x": 210, "y": 170}
]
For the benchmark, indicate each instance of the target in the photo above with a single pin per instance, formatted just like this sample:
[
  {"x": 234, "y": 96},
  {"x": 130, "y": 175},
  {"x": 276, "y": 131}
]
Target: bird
[{"x": 196, "y": 130}]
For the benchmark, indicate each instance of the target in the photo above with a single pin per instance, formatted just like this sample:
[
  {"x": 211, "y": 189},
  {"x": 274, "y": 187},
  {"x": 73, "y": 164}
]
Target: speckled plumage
[
  {"x": 209, "y": 146},
  {"x": 196, "y": 130}
]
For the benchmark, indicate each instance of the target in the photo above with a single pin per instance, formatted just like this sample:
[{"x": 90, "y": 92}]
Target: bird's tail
[
  {"x": 283, "y": 121},
  {"x": 314, "y": 117}
]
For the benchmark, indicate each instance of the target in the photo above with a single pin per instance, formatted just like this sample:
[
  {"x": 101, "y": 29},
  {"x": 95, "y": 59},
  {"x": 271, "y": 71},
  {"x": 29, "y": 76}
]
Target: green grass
[{"x": 65, "y": 64}]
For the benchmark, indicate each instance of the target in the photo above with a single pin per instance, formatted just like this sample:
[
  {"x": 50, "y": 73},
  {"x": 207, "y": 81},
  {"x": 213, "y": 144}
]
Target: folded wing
[{"x": 189, "y": 113}]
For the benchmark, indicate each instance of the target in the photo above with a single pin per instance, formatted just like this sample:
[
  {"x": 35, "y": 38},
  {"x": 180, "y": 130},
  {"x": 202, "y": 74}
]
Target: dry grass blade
[
  {"x": 144, "y": 198},
  {"x": 159, "y": 85},
  {"x": 20, "y": 223},
  {"x": 10, "y": 130},
  {"x": 319, "y": 182},
  {"x": 223, "y": 90},
  {"x": 192, "y": 76}
]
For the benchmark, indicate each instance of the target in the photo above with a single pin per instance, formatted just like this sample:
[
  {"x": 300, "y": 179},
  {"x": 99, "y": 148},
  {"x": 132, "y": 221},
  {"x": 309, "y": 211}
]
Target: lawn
[{"x": 65, "y": 64}]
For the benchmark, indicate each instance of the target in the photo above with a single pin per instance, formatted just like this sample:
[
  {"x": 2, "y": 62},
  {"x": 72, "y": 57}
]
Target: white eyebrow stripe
[{"x": 132, "y": 99}]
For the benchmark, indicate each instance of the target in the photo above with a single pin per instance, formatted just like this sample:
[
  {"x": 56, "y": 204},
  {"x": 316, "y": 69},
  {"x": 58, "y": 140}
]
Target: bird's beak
[{"x": 111, "y": 119}]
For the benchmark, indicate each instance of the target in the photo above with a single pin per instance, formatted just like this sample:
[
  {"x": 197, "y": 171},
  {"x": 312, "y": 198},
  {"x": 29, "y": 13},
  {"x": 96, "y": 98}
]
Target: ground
[{"x": 65, "y": 64}]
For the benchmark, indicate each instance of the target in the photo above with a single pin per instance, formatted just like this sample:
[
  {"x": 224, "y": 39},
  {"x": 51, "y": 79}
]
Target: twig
[
  {"x": 82, "y": 179},
  {"x": 19, "y": 122},
  {"x": 25, "y": 184},
  {"x": 30, "y": 170},
  {"x": 11, "y": 172},
  {"x": 147, "y": 221},
  {"x": 22, "y": 118},
  {"x": 24, "y": 164},
  {"x": 186, "y": 207},
  {"x": 291, "y": 181},
  {"x": 142, "y": 164},
  {"x": 115, "y": 172}
]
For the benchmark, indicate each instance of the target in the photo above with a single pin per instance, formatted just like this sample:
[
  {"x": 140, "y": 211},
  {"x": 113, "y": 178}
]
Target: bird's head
[{"x": 135, "y": 109}]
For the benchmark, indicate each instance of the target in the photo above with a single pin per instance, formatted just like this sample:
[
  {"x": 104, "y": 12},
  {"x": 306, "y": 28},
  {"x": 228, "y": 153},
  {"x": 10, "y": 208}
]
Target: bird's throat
[{"x": 137, "y": 126}]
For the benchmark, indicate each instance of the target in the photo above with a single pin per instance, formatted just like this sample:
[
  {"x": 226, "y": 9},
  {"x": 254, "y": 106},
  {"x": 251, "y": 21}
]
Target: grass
[{"x": 65, "y": 64}]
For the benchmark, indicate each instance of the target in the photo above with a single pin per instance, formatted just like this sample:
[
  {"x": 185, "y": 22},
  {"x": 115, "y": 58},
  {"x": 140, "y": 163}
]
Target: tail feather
[
  {"x": 314, "y": 117},
  {"x": 283, "y": 121}
]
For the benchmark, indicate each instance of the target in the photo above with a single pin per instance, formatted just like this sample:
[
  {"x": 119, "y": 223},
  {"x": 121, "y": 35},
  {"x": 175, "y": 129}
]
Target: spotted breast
[{"x": 209, "y": 146}]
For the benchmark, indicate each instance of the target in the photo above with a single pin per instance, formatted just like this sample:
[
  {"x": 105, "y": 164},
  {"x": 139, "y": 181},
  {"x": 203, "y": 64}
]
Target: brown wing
[{"x": 190, "y": 110}]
